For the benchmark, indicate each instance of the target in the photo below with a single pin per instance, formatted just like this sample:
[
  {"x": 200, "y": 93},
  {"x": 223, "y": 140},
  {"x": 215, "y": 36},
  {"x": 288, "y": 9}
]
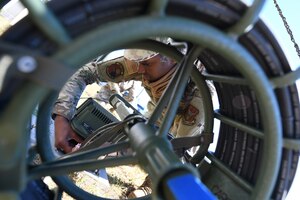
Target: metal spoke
[
  {"x": 225, "y": 79},
  {"x": 177, "y": 92},
  {"x": 13, "y": 129},
  {"x": 157, "y": 7},
  {"x": 156, "y": 24},
  {"x": 287, "y": 79},
  {"x": 92, "y": 153},
  {"x": 291, "y": 143},
  {"x": 62, "y": 168},
  {"x": 251, "y": 130},
  {"x": 249, "y": 18},
  {"x": 163, "y": 101},
  {"x": 201, "y": 84},
  {"x": 47, "y": 22},
  {"x": 206, "y": 36},
  {"x": 232, "y": 175},
  {"x": 287, "y": 142}
]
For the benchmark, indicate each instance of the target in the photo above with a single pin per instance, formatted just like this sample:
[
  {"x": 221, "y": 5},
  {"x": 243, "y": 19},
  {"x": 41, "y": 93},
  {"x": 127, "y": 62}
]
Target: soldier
[{"x": 153, "y": 69}]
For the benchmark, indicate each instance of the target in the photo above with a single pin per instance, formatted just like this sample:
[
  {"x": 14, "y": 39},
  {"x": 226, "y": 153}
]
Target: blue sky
[{"x": 291, "y": 10}]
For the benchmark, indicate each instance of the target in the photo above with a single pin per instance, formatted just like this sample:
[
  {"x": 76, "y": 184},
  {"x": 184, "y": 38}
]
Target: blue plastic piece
[
  {"x": 140, "y": 108},
  {"x": 188, "y": 187}
]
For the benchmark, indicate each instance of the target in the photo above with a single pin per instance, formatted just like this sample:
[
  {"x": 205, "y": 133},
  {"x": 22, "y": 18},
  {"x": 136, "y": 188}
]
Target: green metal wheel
[{"x": 258, "y": 139}]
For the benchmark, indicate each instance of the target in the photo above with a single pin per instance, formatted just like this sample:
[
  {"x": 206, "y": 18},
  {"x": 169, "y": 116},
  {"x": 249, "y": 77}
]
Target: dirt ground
[{"x": 122, "y": 180}]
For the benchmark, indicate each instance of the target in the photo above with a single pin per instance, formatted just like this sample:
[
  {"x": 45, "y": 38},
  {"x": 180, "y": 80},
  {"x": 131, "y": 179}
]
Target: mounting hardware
[{"x": 27, "y": 64}]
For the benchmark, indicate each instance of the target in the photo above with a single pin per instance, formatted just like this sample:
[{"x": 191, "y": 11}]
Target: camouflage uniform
[
  {"x": 189, "y": 118},
  {"x": 125, "y": 89}
]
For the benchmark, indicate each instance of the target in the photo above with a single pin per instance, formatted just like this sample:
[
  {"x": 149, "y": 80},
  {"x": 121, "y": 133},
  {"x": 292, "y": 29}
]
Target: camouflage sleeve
[
  {"x": 118, "y": 70},
  {"x": 191, "y": 121},
  {"x": 114, "y": 70},
  {"x": 68, "y": 97}
]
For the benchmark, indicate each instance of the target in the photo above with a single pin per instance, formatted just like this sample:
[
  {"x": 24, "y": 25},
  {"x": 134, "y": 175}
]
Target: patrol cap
[{"x": 138, "y": 55}]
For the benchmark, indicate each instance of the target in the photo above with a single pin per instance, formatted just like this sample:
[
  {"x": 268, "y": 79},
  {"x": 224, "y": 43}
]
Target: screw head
[{"x": 26, "y": 64}]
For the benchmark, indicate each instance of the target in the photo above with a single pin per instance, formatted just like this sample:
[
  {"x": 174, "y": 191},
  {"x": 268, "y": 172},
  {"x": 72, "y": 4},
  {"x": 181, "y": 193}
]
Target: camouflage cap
[{"x": 138, "y": 55}]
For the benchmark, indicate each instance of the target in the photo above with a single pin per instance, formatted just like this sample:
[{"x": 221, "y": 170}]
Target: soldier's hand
[{"x": 64, "y": 133}]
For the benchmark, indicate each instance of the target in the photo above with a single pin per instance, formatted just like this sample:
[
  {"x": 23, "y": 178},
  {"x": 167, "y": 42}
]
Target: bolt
[{"x": 26, "y": 64}]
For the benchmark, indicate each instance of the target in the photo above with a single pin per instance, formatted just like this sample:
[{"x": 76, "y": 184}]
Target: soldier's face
[{"x": 155, "y": 68}]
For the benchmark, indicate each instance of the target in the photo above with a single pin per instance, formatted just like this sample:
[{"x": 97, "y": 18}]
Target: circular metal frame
[{"x": 198, "y": 33}]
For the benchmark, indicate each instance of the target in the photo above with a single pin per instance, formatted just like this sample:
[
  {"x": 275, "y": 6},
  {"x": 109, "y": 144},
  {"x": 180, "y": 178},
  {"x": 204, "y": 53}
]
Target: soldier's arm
[
  {"x": 118, "y": 70},
  {"x": 68, "y": 98},
  {"x": 115, "y": 70}
]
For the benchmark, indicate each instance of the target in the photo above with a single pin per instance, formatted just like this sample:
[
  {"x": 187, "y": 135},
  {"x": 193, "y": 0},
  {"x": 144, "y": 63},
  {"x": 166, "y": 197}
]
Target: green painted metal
[
  {"x": 230, "y": 173},
  {"x": 69, "y": 164},
  {"x": 13, "y": 123},
  {"x": 178, "y": 88},
  {"x": 92, "y": 153},
  {"x": 248, "y": 19},
  {"x": 47, "y": 21},
  {"x": 287, "y": 79},
  {"x": 68, "y": 167},
  {"x": 201, "y": 84},
  {"x": 251, "y": 130},
  {"x": 167, "y": 51},
  {"x": 45, "y": 73},
  {"x": 47, "y": 150},
  {"x": 223, "y": 182},
  {"x": 163, "y": 101},
  {"x": 205, "y": 36},
  {"x": 156, "y": 156},
  {"x": 9, "y": 196},
  {"x": 42, "y": 129},
  {"x": 225, "y": 79},
  {"x": 157, "y": 7},
  {"x": 14, "y": 132},
  {"x": 222, "y": 185},
  {"x": 291, "y": 143},
  {"x": 143, "y": 27},
  {"x": 287, "y": 143}
]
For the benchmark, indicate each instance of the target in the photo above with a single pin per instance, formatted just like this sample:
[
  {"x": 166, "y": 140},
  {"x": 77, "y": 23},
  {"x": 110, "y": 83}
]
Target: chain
[{"x": 287, "y": 27}]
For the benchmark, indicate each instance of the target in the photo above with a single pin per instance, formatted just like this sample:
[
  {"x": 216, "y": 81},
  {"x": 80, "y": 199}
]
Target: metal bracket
[
  {"x": 180, "y": 145},
  {"x": 27, "y": 65}
]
